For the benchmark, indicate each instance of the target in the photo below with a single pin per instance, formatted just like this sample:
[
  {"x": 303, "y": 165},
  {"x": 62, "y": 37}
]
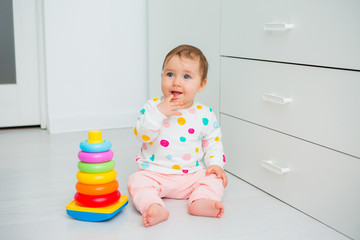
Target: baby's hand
[
  {"x": 169, "y": 107},
  {"x": 219, "y": 172}
]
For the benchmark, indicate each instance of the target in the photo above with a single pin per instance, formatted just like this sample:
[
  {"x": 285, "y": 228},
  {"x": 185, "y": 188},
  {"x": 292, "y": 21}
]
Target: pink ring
[{"x": 95, "y": 157}]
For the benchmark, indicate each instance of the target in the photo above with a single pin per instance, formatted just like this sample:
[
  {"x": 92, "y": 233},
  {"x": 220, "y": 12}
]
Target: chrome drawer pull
[
  {"x": 276, "y": 99},
  {"x": 268, "y": 164},
  {"x": 278, "y": 26}
]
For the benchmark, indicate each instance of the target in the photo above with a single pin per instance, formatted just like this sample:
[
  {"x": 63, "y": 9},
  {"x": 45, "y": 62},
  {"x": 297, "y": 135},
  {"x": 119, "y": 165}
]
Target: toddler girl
[{"x": 176, "y": 134}]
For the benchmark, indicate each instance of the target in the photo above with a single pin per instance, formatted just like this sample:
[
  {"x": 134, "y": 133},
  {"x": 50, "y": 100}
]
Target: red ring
[{"x": 97, "y": 201}]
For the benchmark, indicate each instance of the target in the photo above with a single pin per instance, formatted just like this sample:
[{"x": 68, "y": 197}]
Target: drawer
[
  {"x": 320, "y": 182},
  {"x": 324, "y": 107},
  {"x": 324, "y": 33}
]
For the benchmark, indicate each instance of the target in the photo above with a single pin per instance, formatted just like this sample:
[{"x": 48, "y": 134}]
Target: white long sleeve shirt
[{"x": 177, "y": 145}]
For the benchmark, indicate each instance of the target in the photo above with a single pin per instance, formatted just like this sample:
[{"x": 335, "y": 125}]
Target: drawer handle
[
  {"x": 278, "y": 26},
  {"x": 268, "y": 164},
  {"x": 276, "y": 99}
]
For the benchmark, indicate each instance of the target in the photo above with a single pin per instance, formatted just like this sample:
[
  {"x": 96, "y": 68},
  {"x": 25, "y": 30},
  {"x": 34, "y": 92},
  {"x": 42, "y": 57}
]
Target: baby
[{"x": 176, "y": 134}]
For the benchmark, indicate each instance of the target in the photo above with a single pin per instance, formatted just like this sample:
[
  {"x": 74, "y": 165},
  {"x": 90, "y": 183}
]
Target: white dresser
[{"x": 290, "y": 103}]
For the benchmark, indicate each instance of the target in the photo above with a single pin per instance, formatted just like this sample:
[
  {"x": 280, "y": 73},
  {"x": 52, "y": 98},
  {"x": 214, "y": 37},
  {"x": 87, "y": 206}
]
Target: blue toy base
[{"x": 96, "y": 214}]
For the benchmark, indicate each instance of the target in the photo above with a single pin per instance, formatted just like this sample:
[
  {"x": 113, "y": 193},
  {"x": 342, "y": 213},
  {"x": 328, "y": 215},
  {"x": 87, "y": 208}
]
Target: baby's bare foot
[
  {"x": 206, "y": 208},
  {"x": 154, "y": 215}
]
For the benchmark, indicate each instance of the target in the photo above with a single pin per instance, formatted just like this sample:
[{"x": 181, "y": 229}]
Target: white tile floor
[{"x": 38, "y": 177}]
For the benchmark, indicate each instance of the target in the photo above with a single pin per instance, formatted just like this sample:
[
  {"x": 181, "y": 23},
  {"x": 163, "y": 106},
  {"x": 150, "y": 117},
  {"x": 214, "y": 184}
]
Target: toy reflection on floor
[{"x": 97, "y": 197}]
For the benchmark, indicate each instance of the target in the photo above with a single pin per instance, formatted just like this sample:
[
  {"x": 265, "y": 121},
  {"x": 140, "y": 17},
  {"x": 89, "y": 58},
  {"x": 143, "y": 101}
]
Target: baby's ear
[{"x": 202, "y": 85}]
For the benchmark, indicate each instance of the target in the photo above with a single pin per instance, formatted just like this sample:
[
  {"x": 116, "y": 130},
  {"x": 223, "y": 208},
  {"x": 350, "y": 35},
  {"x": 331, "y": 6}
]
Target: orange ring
[{"x": 97, "y": 189}]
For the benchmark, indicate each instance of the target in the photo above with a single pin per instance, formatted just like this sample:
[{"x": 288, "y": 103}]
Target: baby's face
[{"x": 181, "y": 78}]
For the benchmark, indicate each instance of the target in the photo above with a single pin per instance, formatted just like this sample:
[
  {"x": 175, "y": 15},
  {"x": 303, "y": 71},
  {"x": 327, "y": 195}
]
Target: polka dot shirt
[{"x": 178, "y": 144}]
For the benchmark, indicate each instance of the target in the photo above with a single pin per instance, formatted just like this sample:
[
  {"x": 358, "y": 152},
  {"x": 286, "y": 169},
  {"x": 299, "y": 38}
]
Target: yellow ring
[{"x": 96, "y": 178}]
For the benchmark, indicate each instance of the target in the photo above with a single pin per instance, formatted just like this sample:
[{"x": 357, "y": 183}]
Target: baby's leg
[
  {"x": 144, "y": 191},
  {"x": 205, "y": 200}
]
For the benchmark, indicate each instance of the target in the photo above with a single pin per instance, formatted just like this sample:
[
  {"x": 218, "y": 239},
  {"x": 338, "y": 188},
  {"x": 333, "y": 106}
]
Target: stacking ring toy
[
  {"x": 95, "y": 147},
  {"x": 96, "y": 167},
  {"x": 97, "y": 201},
  {"x": 97, "y": 189},
  {"x": 96, "y": 178},
  {"x": 95, "y": 157}
]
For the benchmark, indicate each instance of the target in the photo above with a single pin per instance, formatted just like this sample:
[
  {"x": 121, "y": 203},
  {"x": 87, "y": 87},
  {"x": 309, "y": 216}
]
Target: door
[{"x": 19, "y": 74}]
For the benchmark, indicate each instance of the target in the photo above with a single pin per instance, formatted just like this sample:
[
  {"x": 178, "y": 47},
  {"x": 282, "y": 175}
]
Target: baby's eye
[
  {"x": 187, "y": 76},
  {"x": 170, "y": 74}
]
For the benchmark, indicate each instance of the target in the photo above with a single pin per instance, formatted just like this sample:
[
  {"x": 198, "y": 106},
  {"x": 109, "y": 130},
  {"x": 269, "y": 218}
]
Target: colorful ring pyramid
[{"x": 97, "y": 197}]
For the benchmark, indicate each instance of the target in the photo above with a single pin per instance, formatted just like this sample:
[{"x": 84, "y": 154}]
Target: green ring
[{"x": 96, "y": 167}]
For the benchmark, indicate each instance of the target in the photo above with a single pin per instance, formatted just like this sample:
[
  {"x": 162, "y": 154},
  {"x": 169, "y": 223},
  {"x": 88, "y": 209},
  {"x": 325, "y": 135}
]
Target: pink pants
[{"x": 146, "y": 188}]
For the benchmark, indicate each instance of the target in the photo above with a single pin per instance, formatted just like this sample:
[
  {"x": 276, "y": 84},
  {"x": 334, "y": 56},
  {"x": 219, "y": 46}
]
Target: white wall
[
  {"x": 96, "y": 63},
  {"x": 197, "y": 23}
]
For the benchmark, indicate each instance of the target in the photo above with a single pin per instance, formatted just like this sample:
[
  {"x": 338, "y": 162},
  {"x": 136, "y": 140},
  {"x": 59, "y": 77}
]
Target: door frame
[{"x": 40, "y": 20}]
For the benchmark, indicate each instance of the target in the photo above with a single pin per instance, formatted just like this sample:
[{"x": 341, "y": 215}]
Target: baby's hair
[{"x": 191, "y": 52}]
